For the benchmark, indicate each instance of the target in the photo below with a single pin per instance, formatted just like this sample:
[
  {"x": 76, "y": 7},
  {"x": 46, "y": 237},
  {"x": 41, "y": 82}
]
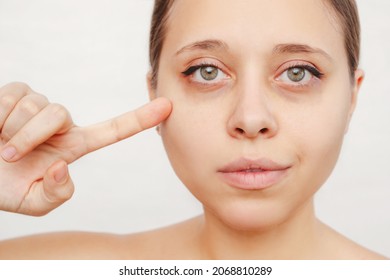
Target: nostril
[
  {"x": 240, "y": 130},
  {"x": 263, "y": 130}
]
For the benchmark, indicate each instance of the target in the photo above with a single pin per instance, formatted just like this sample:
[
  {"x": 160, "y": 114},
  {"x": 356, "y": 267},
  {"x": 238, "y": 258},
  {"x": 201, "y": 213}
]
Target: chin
[{"x": 252, "y": 216}]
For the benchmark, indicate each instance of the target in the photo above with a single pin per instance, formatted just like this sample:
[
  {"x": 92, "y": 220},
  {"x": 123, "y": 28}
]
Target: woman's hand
[{"x": 38, "y": 140}]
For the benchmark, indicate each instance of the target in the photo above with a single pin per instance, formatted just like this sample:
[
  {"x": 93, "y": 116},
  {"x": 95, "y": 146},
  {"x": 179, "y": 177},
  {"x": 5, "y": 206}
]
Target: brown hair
[
  {"x": 346, "y": 12},
  {"x": 158, "y": 28},
  {"x": 348, "y": 17}
]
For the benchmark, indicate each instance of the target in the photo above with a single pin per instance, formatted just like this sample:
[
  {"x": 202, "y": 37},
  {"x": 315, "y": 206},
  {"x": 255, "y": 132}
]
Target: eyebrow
[
  {"x": 215, "y": 45},
  {"x": 218, "y": 45},
  {"x": 299, "y": 48}
]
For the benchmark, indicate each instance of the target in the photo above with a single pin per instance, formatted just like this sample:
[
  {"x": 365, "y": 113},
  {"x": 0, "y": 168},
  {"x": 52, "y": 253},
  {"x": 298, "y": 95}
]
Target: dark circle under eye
[
  {"x": 296, "y": 74},
  {"x": 209, "y": 72}
]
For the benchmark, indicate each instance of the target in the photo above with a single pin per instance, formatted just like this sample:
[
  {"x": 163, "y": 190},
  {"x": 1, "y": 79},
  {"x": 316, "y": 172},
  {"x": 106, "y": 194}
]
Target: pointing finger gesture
[{"x": 39, "y": 139}]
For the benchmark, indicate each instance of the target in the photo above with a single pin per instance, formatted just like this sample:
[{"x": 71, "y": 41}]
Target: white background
[{"x": 91, "y": 56}]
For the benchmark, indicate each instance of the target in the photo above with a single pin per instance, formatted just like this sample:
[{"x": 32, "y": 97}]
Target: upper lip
[{"x": 244, "y": 164}]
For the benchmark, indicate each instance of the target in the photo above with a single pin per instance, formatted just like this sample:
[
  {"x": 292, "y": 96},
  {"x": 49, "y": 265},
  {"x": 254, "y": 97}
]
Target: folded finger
[
  {"x": 49, "y": 193},
  {"x": 10, "y": 95},
  {"x": 53, "y": 119},
  {"x": 23, "y": 111}
]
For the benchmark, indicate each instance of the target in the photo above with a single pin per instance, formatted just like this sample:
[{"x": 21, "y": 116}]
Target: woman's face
[{"x": 262, "y": 97}]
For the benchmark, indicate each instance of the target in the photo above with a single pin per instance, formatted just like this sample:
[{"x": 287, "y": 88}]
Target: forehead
[{"x": 254, "y": 25}]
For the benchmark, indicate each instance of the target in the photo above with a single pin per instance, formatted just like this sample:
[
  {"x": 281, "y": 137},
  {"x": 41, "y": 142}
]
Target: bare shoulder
[
  {"x": 65, "y": 245},
  {"x": 337, "y": 246},
  {"x": 163, "y": 243}
]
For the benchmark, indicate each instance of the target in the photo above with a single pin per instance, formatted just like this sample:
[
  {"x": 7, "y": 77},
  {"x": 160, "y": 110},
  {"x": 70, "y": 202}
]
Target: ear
[
  {"x": 357, "y": 83},
  {"x": 151, "y": 90}
]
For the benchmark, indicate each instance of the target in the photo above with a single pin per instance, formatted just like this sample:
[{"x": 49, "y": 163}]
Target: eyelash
[
  {"x": 191, "y": 70},
  {"x": 311, "y": 69},
  {"x": 311, "y": 75},
  {"x": 200, "y": 82},
  {"x": 314, "y": 71}
]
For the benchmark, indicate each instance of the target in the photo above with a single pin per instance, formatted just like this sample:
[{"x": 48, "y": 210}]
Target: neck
[{"x": 294, "y": 238}]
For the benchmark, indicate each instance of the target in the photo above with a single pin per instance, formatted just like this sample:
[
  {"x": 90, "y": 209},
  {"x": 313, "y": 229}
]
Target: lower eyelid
[{"x": 208, "y": 86}]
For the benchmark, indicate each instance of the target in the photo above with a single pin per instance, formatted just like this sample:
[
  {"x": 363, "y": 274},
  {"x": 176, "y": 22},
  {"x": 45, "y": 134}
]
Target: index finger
[{"x": 108, "y": 132}]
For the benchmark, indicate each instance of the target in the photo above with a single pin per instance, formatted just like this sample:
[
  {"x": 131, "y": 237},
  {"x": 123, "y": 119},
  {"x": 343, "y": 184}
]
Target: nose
[{"x": 253, "y": 114}]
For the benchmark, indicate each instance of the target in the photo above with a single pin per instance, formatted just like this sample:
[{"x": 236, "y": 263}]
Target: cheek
[
  {"x": 319, "y": 135},
  {"x": 191, "y": 137},
  {"x": 183, "y": 134},
  {"x": 194, "y": 127}
]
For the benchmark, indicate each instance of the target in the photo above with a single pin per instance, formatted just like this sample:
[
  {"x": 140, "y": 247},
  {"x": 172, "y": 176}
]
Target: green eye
[
  {"x": 205, "y": 74},
  {"x": 209, "y": 73},
  {"x": 296, "y": 74}
]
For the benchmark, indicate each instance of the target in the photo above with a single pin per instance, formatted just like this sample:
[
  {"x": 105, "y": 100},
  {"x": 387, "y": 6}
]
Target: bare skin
[
  {"x": 192, "y": 239},
  {"x": 267, "y": 117},
  {"x": 39, "y": 139},
  {"x": 182, "y": 241}
]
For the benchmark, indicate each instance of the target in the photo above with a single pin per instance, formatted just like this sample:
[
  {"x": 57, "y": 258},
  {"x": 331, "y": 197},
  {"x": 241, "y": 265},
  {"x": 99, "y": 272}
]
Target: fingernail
[
  {"x": 61, "y": 174},
  {"x": 8, "y": 153}
]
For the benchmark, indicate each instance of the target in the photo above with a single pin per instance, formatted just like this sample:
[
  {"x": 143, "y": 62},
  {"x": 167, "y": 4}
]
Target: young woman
[{"x": 252, "y": 100}]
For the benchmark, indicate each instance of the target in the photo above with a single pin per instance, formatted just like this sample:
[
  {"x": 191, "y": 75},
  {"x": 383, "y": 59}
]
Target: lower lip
[{"x": 253, "y": 180}]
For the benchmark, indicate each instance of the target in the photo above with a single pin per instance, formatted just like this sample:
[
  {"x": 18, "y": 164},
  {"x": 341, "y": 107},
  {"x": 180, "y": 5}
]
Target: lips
[{"x": 249, "y": 174}]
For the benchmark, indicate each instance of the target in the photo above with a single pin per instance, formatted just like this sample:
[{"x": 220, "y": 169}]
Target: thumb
[
  {"x": 57, "y": 184},
  {"x": 49, "y": 193}
]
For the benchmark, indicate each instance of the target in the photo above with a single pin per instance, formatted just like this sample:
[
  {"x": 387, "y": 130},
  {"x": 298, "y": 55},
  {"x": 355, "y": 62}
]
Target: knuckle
[
  {"x": 8, "y": 101},
  {"x": 56, "y": 197},
  {"x": 22, "y": 140},
  {"x": 64, "y": 193},
  {"x": 139, "y": 125},
  {"x": 5, "y": 136},
  {"x": 11, "y": 93},
  {"x": 58, "y": 111},
  {"x": 68, "y": 193},
  {"x": 114, "y": 127},
  {"x": 41, "y": 98},
  {"x": 29, "y": 107},
  {"x": 19, "y": 86}
]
